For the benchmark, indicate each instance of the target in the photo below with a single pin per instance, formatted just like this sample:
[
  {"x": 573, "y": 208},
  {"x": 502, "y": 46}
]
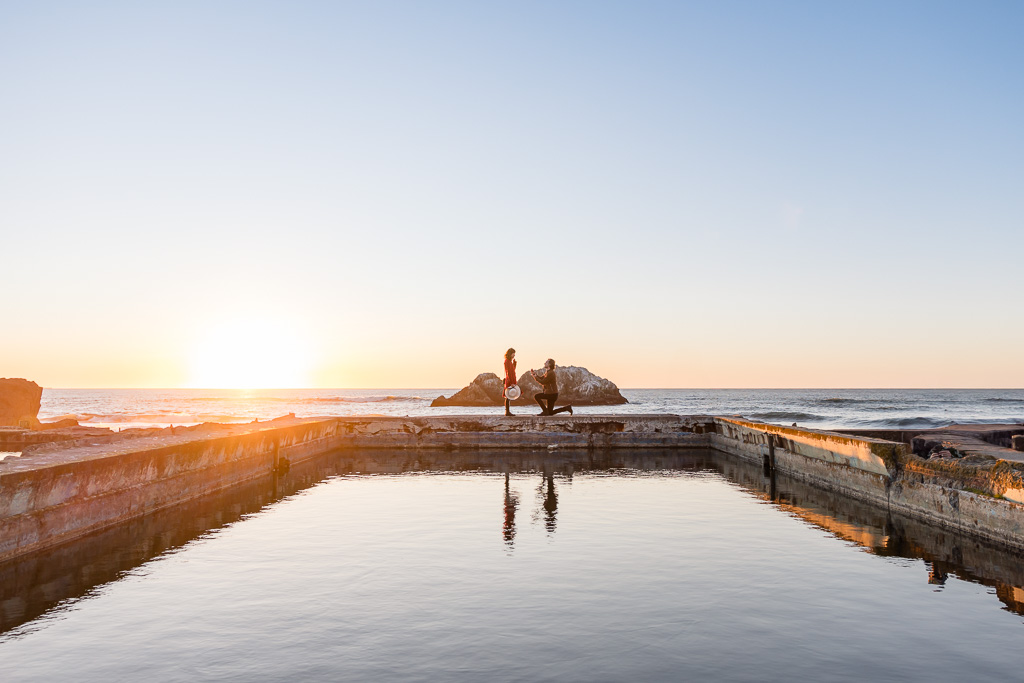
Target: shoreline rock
[
  {"x": 576, "y": 385},
  {"x": 19, "y": 403}
]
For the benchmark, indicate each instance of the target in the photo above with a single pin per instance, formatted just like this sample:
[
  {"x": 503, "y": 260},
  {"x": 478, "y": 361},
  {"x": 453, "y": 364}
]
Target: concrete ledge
[
  {"x": 887, "y": 474},
  {"x": 58, "y": 495},
  {"x": 836, "y": 462},
  {"x": 876, "y": 456},
  {"x": 53, "y": 494},
  {"x": 498, "y": 431},
  {"x": 32, "y": 585}
]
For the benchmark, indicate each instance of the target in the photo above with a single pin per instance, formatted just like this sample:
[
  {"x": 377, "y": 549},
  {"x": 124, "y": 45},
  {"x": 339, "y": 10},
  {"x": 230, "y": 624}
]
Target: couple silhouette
[{"x": 548, "y": 383}]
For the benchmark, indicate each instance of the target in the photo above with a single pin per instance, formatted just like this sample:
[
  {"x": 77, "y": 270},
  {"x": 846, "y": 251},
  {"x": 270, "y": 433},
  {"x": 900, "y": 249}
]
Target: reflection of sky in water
[{"x": 610, "y": 575}]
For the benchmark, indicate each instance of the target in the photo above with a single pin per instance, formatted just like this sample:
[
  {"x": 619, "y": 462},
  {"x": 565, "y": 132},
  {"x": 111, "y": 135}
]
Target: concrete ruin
[
  {"x": 35, "y": 583},
  {"x": 961, "y": 479}
]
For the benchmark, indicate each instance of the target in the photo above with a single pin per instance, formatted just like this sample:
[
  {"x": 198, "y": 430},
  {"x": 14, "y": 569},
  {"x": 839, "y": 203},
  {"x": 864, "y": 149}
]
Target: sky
[{"x": 390, "y": 194}]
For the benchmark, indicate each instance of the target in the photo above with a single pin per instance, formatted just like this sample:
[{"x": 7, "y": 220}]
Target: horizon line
[{"x": 439, "y": 388}]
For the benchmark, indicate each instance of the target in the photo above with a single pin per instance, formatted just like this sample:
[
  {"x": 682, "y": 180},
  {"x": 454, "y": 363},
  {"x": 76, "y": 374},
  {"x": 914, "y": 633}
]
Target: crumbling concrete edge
[
  {"x": 53, "y": 497},
  {"x": 56, "y": 497},
  {"x": 880, "y": 472}
]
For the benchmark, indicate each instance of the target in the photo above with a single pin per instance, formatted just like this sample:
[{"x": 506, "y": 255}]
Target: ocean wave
[
  {"x": 837, "y": 399},
  {"x": 862, "y": 403},
  {"x": 996, "y": 399},
  {"x": 157, "y": 418},
  {"x": 900, "y": 423},
  {"x": 365, "y": 399},
  {"x": 308, "y": 400},
  {"x": 786, "y": 416}
]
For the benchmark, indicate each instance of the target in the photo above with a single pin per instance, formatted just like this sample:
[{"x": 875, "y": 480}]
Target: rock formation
[
  {"x": 485, "y": 390},
  {"x": 19, "y": 403},
  {"x": 576, "y": 385}
]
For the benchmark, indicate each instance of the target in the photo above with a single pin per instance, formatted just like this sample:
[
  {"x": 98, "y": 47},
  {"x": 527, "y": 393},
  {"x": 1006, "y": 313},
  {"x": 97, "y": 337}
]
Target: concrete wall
[
  {"x": 855, "y": 466},
  {"x": 497, "y": 431},
  {"x": 861, "y": 453},
  {"x": 59, "y": 493},
  {"x": 51, "y": 497},
  {"x": 879, "y": 471}
]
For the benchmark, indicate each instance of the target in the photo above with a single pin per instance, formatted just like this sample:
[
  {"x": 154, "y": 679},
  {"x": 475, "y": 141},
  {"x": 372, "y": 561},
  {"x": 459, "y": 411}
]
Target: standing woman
[{"x": 510, "y": 377}]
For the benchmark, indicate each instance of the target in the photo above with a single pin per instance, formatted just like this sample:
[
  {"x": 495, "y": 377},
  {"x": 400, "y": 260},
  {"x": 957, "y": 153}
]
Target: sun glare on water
[{"x": 249, "y": 355}]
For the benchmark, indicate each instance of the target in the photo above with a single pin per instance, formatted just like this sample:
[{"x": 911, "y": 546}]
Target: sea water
[
  {"x": 816, "y": 408},
  {"x": 517, "y": 566}
]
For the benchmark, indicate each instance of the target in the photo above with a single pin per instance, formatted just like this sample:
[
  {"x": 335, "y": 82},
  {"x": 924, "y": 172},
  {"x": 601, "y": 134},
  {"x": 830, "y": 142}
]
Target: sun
[{"x": 249, "y": 354}]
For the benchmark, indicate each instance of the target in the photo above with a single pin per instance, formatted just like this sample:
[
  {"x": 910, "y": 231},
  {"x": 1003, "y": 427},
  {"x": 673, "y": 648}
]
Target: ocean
[{"x": 815, "y": 408}]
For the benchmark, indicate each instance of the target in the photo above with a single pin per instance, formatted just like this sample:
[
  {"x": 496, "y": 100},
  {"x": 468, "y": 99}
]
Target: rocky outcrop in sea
[
  {"x": 19, "y": 402},
  {"x": 576, "y": 385}
]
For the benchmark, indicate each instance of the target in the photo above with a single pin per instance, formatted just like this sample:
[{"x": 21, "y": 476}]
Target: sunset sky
[{"x": 390, "y": 194}]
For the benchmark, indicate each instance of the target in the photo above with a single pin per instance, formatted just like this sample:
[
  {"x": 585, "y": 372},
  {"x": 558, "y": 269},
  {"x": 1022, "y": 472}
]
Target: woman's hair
[
  {"x": 510, "y": 353},
  {"x": 550, "y": 361}
]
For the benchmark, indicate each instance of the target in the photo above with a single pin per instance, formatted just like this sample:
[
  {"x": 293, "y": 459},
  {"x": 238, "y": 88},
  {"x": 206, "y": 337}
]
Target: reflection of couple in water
[
  {"x": 550, "y": 505},
  {"x": 548, "y": 383}
]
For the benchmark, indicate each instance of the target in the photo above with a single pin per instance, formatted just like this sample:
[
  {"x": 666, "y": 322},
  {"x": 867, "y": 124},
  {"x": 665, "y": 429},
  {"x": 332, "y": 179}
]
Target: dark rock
[
  {"x": 19, "y": 403},
  {"x": 576, "y": 385},
  {"x": 485, "y": 390}
]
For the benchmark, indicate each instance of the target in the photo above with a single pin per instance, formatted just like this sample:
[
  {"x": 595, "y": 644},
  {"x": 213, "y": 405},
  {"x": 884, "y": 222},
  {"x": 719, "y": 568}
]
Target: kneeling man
[{"x": 549, "y": 393}]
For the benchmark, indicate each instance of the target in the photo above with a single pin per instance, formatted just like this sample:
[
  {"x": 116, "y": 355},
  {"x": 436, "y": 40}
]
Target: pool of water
[{"x": 517, "y": 566}]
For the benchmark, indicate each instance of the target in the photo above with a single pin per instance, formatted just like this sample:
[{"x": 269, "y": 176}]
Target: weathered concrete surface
[
  {"x": 867, "y": 454},
  {"x": 32, "y": 585},
  {"x": 497, "y": 431},
  {"x": 54, "y": 492},
  {"x": 950, "y": 442},
  {"x": 19, "y": 439},
  {"x": 976, "y": 494},
  {"x": 19, "y": 402},
  {"x": 979, "y": 439},
  {"x": 889, "y": 532},
  {"x": 856, "y": 466},
  {"x": 54, "y": 495}
]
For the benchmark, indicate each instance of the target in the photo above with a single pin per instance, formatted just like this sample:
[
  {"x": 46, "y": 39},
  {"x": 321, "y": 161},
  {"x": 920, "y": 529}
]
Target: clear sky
[{"x": 390, "y": 194}]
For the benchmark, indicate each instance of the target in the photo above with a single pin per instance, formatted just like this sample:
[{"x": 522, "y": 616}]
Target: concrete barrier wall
[
  {"x": 876, "y": 470},
  {"x": 48, "y": 497},
  {"x": 498, "y": 431},
  {"x": 59, "y": 493},
  {"x": 862, "y": 453},
  {"x": 854, "y": 466},
  {"x": 996, "y": 519},
  {"x": 51, "y": 497}
]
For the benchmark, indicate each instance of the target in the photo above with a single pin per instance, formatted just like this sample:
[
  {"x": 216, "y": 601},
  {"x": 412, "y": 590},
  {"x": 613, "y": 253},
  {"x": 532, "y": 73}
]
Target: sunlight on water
[{"x": 646, "y": 568}]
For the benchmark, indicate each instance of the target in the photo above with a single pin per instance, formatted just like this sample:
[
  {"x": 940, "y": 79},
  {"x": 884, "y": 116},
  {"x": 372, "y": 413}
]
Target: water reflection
[
  {"x": 52, "y": 581},
  {"x": 549, "y": 499},
  {"x": 508, "y": 527},
  {"x": 945, "y": 553},
  {"x": 31, "y": 586},
  {"x": 937, "y": 573}
]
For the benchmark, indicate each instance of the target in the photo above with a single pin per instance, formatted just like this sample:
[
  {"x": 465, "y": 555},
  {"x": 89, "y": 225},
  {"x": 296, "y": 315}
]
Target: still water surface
[{"x": 632, "y": 566}]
